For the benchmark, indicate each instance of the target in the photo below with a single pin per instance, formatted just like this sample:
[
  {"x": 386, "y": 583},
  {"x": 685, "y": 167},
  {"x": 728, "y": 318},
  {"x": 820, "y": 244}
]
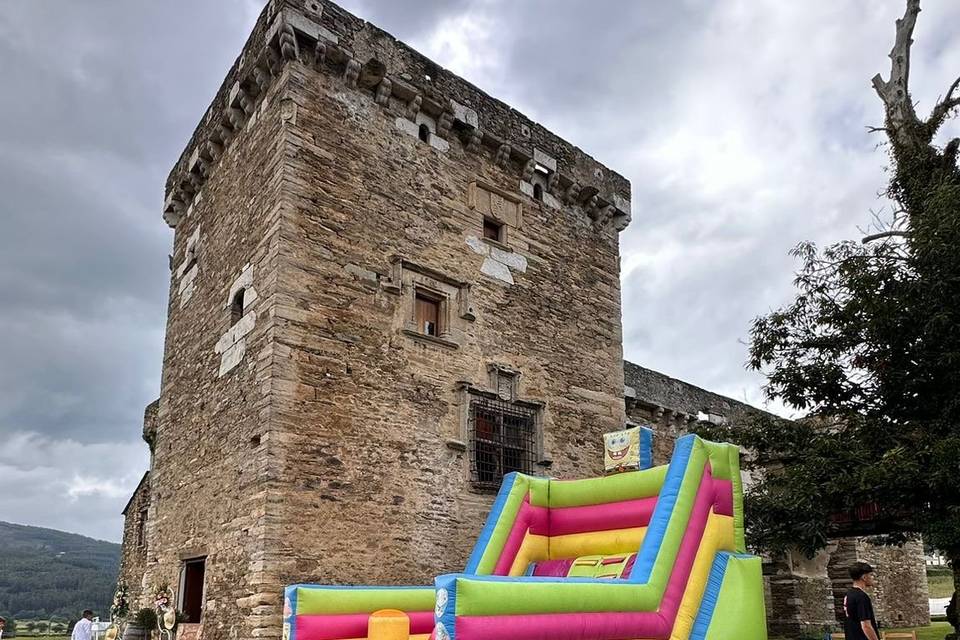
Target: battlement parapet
[{"x": 321, "y": 34}]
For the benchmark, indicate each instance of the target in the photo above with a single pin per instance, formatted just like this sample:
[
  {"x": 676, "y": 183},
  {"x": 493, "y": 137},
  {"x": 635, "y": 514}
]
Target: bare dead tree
[
  {"x": 903, "y": 126},
  {"x": 925, "y": 185}
]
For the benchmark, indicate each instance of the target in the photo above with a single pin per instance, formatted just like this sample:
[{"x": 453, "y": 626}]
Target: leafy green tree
[{"x": 870, "y": 349}]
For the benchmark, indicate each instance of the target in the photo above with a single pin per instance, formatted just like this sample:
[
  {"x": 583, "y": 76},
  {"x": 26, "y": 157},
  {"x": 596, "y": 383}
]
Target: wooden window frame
[{"x": 426, "y": 295}]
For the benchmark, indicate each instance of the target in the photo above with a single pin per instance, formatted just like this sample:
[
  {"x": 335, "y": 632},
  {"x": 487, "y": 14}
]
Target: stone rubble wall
[
  {"x": 133, "y": 550},
  {"x": 671, "y": 406},
  {"x": 901, "y": 595}
]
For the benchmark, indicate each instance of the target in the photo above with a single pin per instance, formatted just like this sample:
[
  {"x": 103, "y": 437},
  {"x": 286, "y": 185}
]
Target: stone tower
[{"x": 387, "y": 290}]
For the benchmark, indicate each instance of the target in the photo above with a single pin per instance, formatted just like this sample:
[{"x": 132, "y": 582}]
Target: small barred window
[{"x": 502, "y": 439}]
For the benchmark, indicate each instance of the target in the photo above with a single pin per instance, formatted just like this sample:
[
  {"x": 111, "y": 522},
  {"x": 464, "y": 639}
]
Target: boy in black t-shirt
[{"x": 858, "y": 620}]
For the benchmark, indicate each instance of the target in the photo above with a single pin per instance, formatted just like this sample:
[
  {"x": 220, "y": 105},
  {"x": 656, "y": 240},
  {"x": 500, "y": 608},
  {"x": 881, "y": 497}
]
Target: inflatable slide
[{"x": 649, "y": 554}]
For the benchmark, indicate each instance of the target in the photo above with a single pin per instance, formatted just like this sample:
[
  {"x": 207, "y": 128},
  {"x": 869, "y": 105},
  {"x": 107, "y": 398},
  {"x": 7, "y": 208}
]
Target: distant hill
[{"x": 46, "y": 573}]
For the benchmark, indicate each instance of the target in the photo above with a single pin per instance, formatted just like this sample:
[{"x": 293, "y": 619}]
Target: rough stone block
[
  {"x": 622, "y": 204},
  {"x": 550, "y": 201},
  {"x": 439, "y": 143},
  {"x": 231, "y": 357},
  {"x": 478, "y": 245},
  {"x": 232, "y": 336},
  {"x": 541, "y": 158},
  {"x": 407, "y": 126},
  {"x": 361, "y": 273},
  {"x": 465, "y": 114},
  {"x": 496, "y": 270},
  {"x": 511, "y": 259}
]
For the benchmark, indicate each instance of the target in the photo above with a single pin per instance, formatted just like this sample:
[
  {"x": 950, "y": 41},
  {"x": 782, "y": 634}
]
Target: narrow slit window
[
  {"x": 191, "y": 259},
  {"x": 236, "y": 307},
  {"x": 142, "y": 529},
  {"x": 427, "y": 315},
  {"x": 541, "y": 178},
  {"x": 492, "y": 230},
  {"x": 424, "y": 133}
]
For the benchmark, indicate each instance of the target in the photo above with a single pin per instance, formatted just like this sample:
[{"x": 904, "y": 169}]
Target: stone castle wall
[
  {"x": 213, "y": 467},
  {"x": 133, "y": 549},
  {"x": 900, "y": 594},
  {"x": 311, "y": 433},
  {"x": 671, "y": 406},
  {"x": 374, "y": 415}
]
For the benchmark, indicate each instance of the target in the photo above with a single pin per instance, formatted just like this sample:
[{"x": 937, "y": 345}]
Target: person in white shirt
[
  {"x": 83, "y": 630},
  {"x": 3, "y": 623}
]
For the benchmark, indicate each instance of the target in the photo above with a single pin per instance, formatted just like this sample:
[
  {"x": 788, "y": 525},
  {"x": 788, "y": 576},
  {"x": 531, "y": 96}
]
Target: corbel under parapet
[{"x": 291, "y": 30}]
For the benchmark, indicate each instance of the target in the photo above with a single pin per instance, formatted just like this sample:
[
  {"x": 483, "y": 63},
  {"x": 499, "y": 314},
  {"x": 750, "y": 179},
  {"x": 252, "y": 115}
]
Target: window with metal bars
[{"x": 503, "y": 438}]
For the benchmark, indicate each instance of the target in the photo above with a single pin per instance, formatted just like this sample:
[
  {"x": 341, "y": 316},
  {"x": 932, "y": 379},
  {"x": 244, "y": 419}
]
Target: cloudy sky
[{"x": 741, "y": 124}]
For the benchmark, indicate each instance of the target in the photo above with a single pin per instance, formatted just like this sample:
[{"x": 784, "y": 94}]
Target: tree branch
[
  {"x": 943, "y": 108},
  {"x": 885, "y": 234},
  {"x": 950, "y": 91},
  {"x": 895, "y": 92}
]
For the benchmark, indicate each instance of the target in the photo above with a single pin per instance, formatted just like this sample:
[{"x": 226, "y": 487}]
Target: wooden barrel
[{"x": 135, "y": 632}]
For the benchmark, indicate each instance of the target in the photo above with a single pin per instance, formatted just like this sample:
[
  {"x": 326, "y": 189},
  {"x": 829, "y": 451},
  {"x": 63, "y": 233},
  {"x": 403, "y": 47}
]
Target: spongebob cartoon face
[{"x": 621, "y": 451}]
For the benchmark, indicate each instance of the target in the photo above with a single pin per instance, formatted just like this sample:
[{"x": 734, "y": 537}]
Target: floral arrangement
[
  {"x": 168, "y": 618},
  {"x": 161, "y": 597},
  {"x": 120, "y": 607}
]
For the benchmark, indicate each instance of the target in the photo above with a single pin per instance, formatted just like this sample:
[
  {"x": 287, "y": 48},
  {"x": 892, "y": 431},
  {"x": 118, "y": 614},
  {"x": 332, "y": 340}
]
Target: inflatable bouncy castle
[{"x": 652, "y": 553}]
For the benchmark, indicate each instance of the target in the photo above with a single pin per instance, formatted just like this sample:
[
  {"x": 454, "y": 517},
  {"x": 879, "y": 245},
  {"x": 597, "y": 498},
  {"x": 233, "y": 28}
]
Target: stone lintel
[
  {"x": 465, "y": 114},
  {"x": 541, "y": 158}
]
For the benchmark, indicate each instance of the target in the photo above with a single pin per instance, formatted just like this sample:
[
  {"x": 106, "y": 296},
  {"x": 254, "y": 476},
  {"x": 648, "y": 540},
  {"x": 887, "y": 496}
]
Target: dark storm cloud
[
  {"x": 740, "y": 125},
  {"x": 96, "y": 104}
]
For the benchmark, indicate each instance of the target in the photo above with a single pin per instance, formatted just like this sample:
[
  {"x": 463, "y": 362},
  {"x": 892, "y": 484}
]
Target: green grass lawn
[
  {"x": 935, "y": 631},
  {"x": 941, "y": 584}
]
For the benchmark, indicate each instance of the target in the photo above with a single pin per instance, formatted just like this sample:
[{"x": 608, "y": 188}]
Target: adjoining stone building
[
  {"x": 803, "y": 596},
  {"x": 387, "y": 290}
]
